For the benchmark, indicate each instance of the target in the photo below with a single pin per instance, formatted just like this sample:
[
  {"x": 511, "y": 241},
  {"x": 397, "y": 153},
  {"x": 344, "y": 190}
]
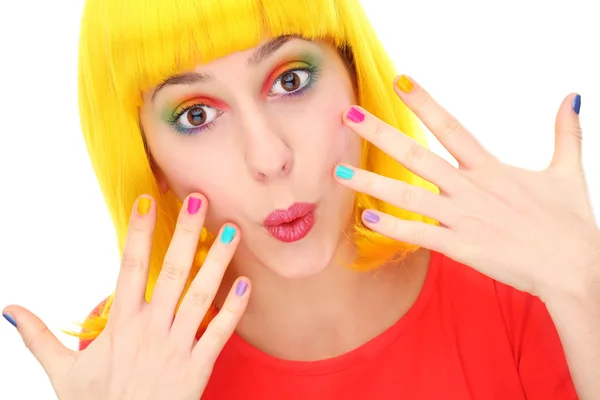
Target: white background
[{"x": 502, "y": 69}]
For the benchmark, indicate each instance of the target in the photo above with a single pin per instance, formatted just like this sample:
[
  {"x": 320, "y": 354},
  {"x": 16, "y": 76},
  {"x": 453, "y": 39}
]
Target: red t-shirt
[{"x": 466, "y": 337}]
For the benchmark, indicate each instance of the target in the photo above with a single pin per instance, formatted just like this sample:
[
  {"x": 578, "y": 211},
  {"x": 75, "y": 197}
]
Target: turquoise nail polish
[
  {"x": 344, "y": 172},
  {"x": 228, "y": 234}
]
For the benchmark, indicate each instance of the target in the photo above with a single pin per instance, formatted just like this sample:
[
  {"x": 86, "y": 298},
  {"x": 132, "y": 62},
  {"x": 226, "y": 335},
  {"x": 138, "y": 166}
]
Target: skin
[
  {"x": 484, "y": 207},
  {"x": 280, "y": 151},
  {"x": 268, "y": 152},
  {"x": 146, "y": 351}
]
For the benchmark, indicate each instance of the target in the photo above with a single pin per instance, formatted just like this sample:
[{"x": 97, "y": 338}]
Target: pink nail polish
[
  {"x": 193, "y": 205},
  {"x": 355, "y": 115}
]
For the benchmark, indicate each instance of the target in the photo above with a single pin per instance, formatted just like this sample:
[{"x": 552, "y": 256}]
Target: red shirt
[{"x": 466, "y": 337}]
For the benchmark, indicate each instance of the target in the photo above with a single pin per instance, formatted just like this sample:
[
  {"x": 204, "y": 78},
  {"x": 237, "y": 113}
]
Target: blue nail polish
[
  {"x": 10, "y": 319},
  {"x": 228, "y": 234},
  {"x": 576, "y": 103},
  {"x": 241, "y": 288},
  {"x": 371, "y": 217},
  {"x": 343, "y": 172}
]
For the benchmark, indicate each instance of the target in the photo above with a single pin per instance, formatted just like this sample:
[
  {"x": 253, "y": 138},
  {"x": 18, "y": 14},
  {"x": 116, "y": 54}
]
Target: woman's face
[{"x": 259, "y": 131}]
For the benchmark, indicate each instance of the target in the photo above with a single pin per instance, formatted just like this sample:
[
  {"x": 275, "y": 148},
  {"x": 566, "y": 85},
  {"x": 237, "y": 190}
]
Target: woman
[{"x": 246, "y": 114}]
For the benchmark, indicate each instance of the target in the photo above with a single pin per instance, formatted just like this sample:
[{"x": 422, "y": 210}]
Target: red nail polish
[{"x": 355, "y": 115}]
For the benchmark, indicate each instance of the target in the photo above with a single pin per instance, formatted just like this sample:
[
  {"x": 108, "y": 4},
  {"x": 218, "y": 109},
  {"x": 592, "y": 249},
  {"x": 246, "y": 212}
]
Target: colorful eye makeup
[
  {"x": 290, "y": 79},
  {"x": 195, "y": 115}
]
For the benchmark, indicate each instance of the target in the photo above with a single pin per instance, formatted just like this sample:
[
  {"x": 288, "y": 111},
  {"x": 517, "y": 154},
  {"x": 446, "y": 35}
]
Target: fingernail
[
  {"x": 241, "y": 288},
  {"x": 576, "y": 103},
  {"x": 10, "y": 319},
  {"x": 193, "y": 205},
  {"x": 355, "y": 115},
  {"x": 404, "y": 84},
  {"x": 343, "y": 172},
  {"x": 144, "y": 205},
  {"x": 228, "y": 234},
  {"x": 371, "y": 217}
]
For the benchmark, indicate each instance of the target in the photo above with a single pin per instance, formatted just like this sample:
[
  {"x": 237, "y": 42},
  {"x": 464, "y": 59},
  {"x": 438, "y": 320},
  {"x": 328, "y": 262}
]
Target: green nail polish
[
  {"x": 228, "y": 234},
  {"x": 344, "y": 172}
]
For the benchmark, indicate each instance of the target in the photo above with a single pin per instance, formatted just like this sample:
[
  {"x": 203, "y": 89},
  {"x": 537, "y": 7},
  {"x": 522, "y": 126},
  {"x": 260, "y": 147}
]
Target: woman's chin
[
  {"x": 300, "y": 262},
  {"x": 299, "y": 269}
]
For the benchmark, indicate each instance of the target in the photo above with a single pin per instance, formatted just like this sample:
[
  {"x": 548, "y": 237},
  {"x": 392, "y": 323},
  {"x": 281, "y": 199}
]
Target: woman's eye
[
  {"x": 197, "y": 116},
  {"x": 290, "y": 82}
]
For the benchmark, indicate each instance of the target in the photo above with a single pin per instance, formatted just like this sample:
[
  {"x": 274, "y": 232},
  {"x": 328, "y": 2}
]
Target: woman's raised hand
[
  {"x": 146, "y": 351},
  {"x": 533, "y": 230}
]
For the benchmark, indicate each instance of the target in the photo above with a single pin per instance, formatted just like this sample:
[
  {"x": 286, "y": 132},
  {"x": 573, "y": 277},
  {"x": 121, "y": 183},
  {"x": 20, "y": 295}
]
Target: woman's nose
[{"x": 268, "y": 157}]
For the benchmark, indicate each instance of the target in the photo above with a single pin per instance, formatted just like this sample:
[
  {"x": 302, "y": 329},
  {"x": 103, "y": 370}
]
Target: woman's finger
[
  {"x": 178, "y": 260},
  {"x": 133, "y": 275},
  {"x": 459, "y": 142},
  {"x": 204, "y": 287},
  {"x": 568, "y": 135},
  {"x": 53, "y": 356},
  {"x": 403, "y": 149},
  {"x": 398, "y": 193},
  {"x": 222, "y": 326},
  {"x": 436, "y": 238}
]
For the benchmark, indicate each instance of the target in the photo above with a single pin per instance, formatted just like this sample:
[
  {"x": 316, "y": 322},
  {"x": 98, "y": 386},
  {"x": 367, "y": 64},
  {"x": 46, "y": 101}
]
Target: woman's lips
[{"x": 292, "y": 224}]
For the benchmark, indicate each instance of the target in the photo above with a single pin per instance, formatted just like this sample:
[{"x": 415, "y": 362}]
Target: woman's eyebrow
[
  {"x": 257, "y": 56},
  {"x": 186, "y": 78},
  {"x": 268, "y": 48}
]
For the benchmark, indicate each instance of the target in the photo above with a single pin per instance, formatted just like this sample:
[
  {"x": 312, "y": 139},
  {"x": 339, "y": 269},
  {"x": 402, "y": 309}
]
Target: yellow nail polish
[
  {"x": 404, "y": 84},
  {"x": 144, "y": 205}
]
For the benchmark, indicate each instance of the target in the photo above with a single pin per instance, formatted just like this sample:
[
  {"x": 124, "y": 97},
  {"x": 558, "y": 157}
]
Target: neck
[{"x": 328, "y": 314}]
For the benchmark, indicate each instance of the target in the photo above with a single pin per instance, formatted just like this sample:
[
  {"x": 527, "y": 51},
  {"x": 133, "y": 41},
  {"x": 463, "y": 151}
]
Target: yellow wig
[{"x": 130, "y": 46}]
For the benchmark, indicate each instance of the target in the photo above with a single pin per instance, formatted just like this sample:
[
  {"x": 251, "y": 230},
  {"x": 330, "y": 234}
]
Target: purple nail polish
[
  {"x": 371, "y": 217},
  {"x": 241, "y": 288},
  {"x": 193, "y": 205},
  {"x": 355, "y": 115},
  {"x": 10, "y": 319}
]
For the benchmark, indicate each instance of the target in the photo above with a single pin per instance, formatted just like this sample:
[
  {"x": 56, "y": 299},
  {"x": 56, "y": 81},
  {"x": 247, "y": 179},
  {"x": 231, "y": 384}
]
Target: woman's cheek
[{"x": 333, "y": 140}]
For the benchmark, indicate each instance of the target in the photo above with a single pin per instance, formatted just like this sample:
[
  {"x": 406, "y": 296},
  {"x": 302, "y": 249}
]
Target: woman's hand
[
  {"x": 532, "y": 230},
  {"x": 145, "y": 352}
]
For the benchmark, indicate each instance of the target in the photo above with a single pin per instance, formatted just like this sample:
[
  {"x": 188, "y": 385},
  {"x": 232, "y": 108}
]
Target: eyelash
[
  {"x": 314, "y": 73},
  {"x": 186, "y": 131}
]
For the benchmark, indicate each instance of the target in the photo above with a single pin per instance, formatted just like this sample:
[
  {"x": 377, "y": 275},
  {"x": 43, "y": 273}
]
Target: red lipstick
[{"x": 291, "y": 224}]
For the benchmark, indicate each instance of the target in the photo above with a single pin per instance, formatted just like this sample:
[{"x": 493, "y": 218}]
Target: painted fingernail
[
  {"x": 144, "y": 205},
  {"x": 371, "y": 217},
  {"x": 10, "y": 319},
  {"x": 404, "y": 84},
  {"x": 228, "y": 234},
  {"x": 576, "y": 103},
  {"x": 343, "y": 172},
  {"x": 241, "y": 288},
  {"x": 355, "y": 115},
  {"x": 193, "y": 205}
]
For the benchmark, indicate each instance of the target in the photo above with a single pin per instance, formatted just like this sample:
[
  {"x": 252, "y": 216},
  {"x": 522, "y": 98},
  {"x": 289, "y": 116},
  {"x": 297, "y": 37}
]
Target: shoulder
[
  {"x": 488, "y": 298},
  {"x": 462, "y": 283},
  {"x": 523, "y": 319}
]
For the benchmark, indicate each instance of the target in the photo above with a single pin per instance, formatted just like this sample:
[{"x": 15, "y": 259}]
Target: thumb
[
  {"x": 568, "y": 135},
  {"x": 46, "y": 348}
]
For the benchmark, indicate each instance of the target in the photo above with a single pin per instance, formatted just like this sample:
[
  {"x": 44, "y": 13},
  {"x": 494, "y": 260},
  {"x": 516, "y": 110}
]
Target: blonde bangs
[{"x": 146, "y": 41}]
